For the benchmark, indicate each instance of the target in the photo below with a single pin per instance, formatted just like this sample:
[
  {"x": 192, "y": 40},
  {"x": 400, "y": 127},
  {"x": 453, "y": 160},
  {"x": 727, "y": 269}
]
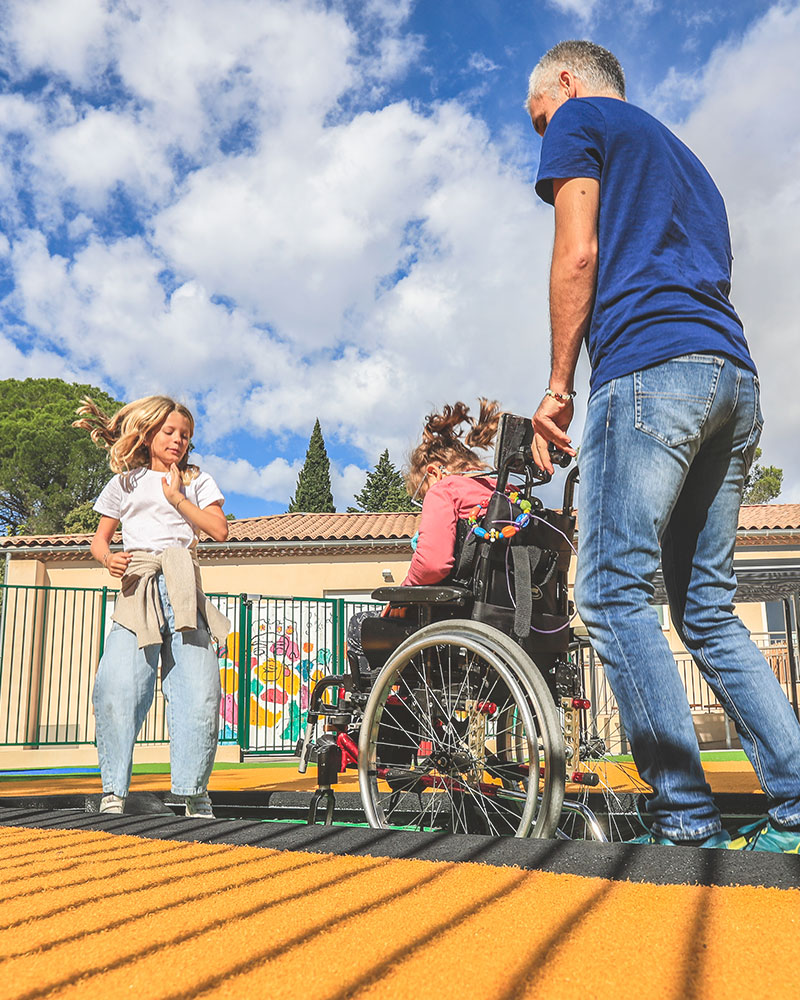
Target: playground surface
[
  {"x": 168, "y": 907},
  {"x": 727, "y": 772}
]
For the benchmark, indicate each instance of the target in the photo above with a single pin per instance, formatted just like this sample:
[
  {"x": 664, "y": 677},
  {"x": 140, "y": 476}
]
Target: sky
[{"x": 283, "y": 210}]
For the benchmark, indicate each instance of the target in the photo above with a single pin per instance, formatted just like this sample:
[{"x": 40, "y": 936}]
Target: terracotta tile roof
[
  {"x": 769, "y": 517},
  {"x": 274, "y": 527},
  {"x": 317, "y": 527},
  {"x": 775, "y": 517}
]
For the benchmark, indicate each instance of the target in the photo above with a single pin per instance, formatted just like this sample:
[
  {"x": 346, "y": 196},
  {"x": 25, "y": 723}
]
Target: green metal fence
[{"x": 52, "y": 638}]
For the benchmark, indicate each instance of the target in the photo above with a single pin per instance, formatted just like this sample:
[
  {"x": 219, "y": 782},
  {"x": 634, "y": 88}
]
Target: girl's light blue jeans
[
  {"x": 664, "y": 456},
  {"x": 124, "y": 690}
]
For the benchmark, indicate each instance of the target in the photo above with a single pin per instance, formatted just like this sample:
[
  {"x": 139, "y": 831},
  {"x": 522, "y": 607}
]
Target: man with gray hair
[{"x": 641, "y": 273}]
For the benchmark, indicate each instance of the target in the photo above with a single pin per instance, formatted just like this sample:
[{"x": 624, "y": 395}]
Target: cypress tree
[
  {"x": 384, "y": 490},
  {"x": 313, "y": 493}
]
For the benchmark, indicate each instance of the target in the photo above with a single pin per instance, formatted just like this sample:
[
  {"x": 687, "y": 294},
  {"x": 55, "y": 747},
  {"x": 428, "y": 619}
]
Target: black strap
[{"x": 525, "y": 559}]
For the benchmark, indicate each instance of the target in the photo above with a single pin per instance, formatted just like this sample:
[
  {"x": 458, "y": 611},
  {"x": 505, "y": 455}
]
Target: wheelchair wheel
[{"x": 460, "y": 734}]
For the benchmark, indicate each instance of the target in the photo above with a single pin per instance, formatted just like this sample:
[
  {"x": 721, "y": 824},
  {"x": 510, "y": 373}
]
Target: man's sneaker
[
  {"x": 720, "y": 839},
  {"x": 763, "y": 836},
  {"x": 199, "y": 805},
  {"x": 113, "y": 804}
]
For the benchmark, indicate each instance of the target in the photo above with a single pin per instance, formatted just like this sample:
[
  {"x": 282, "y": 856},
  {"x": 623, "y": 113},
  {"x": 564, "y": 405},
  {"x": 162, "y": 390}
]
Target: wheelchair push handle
[
  {"x": 513, "y": 451},
  {"x": 558, "y": 457}
]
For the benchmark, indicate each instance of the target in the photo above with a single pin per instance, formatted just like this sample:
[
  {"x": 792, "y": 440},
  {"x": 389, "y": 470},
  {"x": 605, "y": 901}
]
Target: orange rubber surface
[
  {"x": 90, "y": 915},
  {"x": 723, "y": 776}
]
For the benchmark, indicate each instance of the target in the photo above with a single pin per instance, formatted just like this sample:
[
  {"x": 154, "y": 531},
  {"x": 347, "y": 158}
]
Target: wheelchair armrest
[{"x": 422, "y": 595}]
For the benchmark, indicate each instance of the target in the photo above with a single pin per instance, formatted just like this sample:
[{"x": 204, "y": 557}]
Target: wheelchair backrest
[
  {"x": 520, "y": 583},
  {"x": 519, "y": 580}
]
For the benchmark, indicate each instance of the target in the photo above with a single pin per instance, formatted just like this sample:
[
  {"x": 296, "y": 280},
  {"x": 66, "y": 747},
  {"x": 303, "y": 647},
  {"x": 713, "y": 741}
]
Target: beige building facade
[{"x": 58, "y": 601}]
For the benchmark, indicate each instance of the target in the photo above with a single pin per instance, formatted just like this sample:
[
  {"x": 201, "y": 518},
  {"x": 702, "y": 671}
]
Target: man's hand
[{"x": 550, "y": 423}]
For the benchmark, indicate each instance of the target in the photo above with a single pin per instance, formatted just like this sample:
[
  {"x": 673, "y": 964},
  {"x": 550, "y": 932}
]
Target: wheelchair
[{"x": 469, "y": 714}]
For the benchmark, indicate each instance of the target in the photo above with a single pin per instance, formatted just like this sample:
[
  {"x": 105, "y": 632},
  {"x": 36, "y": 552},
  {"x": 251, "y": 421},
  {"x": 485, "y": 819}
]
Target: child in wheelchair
[
  {"x": 448, "y": 477},
  {"x": 454, "y": 707}
]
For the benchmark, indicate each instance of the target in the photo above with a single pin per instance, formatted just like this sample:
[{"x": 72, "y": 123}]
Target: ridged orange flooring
[
  {"x": 90, "y": 915},
  {"x": 723, "y": 776}
]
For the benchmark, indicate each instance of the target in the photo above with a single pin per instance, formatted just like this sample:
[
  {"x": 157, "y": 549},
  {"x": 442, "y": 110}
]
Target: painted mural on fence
[{"x": 290, "y": 650}]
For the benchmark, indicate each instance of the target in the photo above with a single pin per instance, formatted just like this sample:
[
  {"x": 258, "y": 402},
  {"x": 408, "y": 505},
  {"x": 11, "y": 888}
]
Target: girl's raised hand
[{"x": 171, "y": 484}]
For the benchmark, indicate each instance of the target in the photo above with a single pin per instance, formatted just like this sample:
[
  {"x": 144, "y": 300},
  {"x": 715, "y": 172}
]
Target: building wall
[
  {"x": 295, "y": 576},
  {"x": 341, "y": 573}
]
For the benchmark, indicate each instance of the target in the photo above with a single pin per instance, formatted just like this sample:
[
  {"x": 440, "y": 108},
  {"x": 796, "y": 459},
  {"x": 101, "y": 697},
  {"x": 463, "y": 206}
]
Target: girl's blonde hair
[
  {"x": 126, "y": 435},
  {"x": 444, "y": 442}
]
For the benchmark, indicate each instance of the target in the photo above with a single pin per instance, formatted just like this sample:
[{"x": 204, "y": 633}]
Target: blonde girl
[{"x": 161, "y": 613}]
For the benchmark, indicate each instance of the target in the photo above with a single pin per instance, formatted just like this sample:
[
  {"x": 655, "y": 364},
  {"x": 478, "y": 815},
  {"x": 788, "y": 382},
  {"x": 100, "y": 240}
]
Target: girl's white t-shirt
[{"x": 149, "y": 521}]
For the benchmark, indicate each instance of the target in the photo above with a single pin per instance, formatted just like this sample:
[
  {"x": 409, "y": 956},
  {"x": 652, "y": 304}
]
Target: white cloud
[
  {"x": 68, "y": 38},
  {"x": 345, "y": 483},
  {"x": 583, "y": 10},
  {"x": 393, "y": 13},
  {"x": 101, "y": 151},
  {"x": 586, "y": 12},
  {"x": 395, "y": 55},
  {"x": 481, "y": 63},
  {"x": 274, "y": 482}
]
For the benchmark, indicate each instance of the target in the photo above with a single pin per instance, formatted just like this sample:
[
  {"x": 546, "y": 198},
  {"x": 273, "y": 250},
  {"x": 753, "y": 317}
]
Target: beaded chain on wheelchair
[{"x": 469, "y": 713}]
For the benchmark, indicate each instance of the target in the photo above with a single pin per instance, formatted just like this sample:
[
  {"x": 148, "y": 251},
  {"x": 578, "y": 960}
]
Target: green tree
[
  {"x": 313, "y": 493},
  {"x": 82, "y": 520},
  {"x": 763, "y": 482},
  {"x": 384, "y": 489},
  {"x": 47, "y": 467}
]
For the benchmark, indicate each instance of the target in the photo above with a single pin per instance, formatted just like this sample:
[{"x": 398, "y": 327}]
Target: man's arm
[{"x": 573, "y": 280}]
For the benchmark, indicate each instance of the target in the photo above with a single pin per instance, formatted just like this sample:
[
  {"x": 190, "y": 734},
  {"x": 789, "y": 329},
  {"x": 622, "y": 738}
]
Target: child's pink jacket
[{"x": 445, "y": 503}]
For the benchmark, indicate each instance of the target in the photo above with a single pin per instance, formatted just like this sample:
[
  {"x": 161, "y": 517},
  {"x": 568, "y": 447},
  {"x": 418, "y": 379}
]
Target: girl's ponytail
[
  {"x": 444, "y": 442},
  {"x": 103, "y": 430},
  {"x": 484, "y": 429}
]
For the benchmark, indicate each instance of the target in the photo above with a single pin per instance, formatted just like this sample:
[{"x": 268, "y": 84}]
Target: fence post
[
  {"x": 796, "y": 624},
  {"x": 787, "y": 618},
  {"x": 243, "y": 708},
  {"x": 102, "y": 643},
  {"x": 339, "y": 633},
  {"x": 38, "y": 653}
]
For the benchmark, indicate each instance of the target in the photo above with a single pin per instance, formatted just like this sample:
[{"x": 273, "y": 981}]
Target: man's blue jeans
[
  {"x": 662, "y": 463},
  {"x": 123, "y": 693}
]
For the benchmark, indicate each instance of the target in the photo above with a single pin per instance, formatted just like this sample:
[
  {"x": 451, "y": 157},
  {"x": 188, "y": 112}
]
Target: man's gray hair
[{"x": 598, "y": 68}]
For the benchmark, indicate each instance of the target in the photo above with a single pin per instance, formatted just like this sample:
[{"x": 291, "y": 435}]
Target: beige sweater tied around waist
[{"x": 138, "y": 607}]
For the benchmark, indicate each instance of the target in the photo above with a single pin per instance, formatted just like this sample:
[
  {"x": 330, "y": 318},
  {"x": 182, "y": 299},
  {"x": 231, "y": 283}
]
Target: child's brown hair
[{"x": 445, "y": 443}]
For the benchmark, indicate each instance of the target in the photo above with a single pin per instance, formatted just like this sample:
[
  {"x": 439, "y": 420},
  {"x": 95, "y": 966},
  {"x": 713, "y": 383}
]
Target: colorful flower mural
[{"x": 291, "y": 648}]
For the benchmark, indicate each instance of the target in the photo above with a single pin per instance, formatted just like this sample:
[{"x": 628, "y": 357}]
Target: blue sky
[{"x": 278, "y": 210}]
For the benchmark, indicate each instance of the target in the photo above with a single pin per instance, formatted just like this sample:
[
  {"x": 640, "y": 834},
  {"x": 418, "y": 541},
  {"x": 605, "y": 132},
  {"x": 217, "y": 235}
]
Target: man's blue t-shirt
[{"x": 664, "y": 270}]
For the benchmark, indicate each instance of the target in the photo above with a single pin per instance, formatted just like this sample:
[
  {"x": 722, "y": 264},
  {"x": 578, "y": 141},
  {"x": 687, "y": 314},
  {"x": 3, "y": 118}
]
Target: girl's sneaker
[
  {"x": 199, "y": 805},
  {"x": 112, "y": 804},
  {"x": 763, "y": 836}
]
